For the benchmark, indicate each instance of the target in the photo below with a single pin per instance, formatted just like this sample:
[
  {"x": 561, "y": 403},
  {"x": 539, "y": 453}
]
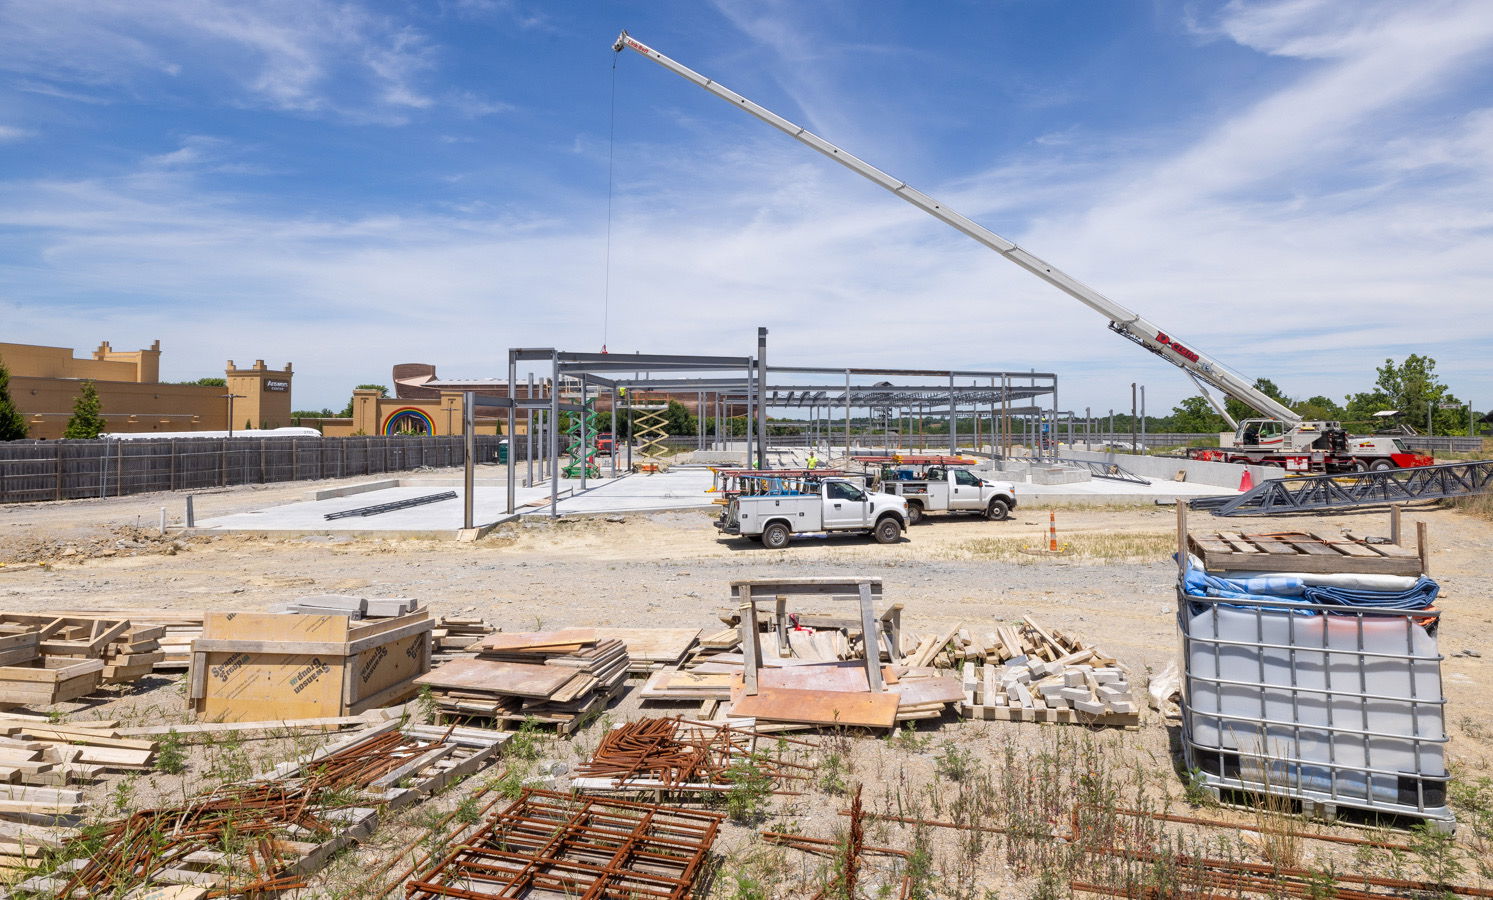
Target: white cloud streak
[{"x": 309, "y": 57}]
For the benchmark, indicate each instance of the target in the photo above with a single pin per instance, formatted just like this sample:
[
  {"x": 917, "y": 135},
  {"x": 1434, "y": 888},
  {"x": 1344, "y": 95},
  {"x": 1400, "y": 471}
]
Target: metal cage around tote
[{"x": 1332, "y": 706}]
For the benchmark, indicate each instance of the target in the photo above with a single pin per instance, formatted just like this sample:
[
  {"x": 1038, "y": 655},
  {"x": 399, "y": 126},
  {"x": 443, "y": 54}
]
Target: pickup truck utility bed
[{"x": 827, "y": 505}]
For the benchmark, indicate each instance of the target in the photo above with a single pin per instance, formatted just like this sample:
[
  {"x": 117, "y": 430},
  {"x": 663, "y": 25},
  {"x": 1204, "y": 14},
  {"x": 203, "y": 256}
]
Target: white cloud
[
  {"x": 10, "y": 133},
  {"x": 313, "y": 57}
]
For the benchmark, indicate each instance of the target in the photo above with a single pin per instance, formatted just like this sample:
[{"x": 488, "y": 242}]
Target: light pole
[{"x": 230, "y": 397}]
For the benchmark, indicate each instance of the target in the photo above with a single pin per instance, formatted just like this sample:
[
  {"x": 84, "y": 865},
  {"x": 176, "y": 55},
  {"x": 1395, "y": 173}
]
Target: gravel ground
[{"x": 637, "y": 570}]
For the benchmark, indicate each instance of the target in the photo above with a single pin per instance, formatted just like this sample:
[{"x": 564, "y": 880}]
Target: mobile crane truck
[{"x": 1282, "y": 438}]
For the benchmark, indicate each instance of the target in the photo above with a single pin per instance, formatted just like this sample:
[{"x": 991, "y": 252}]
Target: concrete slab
[{"x": 679, "y": 488}]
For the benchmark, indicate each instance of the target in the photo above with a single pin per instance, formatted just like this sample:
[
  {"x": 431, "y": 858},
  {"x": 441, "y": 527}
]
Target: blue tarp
[{"x": 1290, "y": 589}]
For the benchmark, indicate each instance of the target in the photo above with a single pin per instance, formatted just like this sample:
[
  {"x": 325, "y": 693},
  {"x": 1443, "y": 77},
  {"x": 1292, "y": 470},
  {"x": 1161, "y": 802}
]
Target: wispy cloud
[
  {"x": 310, "y": 57},
  {"x": 9, "y": 133}
]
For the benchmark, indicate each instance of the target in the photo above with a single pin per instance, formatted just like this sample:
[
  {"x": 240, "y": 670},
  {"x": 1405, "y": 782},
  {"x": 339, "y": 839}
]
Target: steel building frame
[{"x": 723, "y": 384}]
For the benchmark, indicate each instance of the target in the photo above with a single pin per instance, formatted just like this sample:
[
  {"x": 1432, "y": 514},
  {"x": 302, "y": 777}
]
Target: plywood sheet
[
  {"x": 849, "y": 677},
  {"x": 818, "y": 707},
  {"x": 666, "y": 645},
  {"x": 487, "y": 675},
  {"x": 537, "y": 640},
  {"x": 274, "y": 627}
]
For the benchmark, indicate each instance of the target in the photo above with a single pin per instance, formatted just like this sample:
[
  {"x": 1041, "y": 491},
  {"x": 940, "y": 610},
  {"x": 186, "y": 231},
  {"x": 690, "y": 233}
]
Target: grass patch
[
  {"x": 1480, "y": 506},
  {"x": 1104, "y": 547}
]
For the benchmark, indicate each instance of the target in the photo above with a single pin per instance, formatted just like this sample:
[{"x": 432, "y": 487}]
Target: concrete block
[{"x": 1059, "y": 475}]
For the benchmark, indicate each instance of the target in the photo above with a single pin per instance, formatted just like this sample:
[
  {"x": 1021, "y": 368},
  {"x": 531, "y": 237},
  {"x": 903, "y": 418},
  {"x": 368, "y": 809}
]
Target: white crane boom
[{"x": 1121, "y": 320}]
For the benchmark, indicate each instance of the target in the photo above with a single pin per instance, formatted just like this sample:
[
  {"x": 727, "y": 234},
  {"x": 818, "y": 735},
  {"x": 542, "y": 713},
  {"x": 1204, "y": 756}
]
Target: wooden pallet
[{"x": 1302, "y": 551}]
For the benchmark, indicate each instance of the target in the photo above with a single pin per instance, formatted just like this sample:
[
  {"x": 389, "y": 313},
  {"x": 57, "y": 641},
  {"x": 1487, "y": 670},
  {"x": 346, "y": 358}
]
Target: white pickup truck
[
  {"x": 837, "y": 504},
  {"x": 952, "y": 489}
]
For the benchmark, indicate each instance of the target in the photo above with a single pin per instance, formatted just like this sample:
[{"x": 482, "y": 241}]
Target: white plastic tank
[{"x": 1354, "y": 692}]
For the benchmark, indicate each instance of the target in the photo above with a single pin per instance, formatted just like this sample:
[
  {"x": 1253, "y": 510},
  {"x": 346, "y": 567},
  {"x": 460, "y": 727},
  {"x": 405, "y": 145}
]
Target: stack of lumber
[
  {"x": 652, "y": 649},
  {"x": 1026, "y": 673},
  {"x": 553, "y": 677},
  {"x": 22, "y": 845},
  {"x": 38, "y": 752},
  {"x": 455, "y": 635},
  {"x": 181, "y": 628},
  {"x": 134, "y": 654}
]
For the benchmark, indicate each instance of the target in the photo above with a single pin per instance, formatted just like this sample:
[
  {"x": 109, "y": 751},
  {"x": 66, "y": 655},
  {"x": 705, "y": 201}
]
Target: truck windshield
[{"x": 839, "y": 490}]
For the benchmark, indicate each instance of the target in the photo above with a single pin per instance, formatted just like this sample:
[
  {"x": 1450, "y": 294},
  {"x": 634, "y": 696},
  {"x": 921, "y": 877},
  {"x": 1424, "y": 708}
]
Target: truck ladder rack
[
  {"x": 1111, "y": 471},
  {"x": 390, "y": 507},
  {"x": 1317, "y": 492}
]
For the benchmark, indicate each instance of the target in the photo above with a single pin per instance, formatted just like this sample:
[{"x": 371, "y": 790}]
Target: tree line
[{"x": 1412, "y": 387}]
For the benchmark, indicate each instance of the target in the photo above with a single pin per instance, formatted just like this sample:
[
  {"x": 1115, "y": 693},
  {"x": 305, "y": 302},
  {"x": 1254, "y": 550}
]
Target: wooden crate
[
  {"x": 250, "y": 667},
  {"x": 51, "y": 680},
  {"x": 1301, "y": 551}
]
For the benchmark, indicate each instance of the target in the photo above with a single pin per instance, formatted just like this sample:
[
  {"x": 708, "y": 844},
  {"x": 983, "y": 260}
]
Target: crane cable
[{"x": 606, "y": 296}]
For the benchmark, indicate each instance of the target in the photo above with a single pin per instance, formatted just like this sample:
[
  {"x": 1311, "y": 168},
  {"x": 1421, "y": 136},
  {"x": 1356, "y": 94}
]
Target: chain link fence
[{"x": 33, "y": 471}]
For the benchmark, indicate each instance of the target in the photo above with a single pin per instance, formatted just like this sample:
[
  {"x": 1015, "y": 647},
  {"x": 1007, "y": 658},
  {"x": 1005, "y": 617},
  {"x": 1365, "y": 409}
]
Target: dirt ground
[{"x": 1116, "y": 590}]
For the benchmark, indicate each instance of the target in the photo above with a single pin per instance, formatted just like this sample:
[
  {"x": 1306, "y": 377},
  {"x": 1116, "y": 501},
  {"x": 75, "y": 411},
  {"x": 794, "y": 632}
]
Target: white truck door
[
  {"x": 964, "y": 490},
  {"x": 844, "y": 506}
]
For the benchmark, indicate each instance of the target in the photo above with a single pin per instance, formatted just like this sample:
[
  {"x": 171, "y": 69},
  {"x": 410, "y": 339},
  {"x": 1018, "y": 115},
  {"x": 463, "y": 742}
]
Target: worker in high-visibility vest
[{"x": 813, "y": 461}]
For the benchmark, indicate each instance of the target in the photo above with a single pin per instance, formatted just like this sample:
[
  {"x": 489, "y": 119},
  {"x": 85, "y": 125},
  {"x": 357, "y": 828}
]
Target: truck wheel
[
  {"x": 998, "y": 511},
  {"x": 1358, "y": 465},
  {"x": 775, "y": 536},
  {"x": 887, "y": 531},
  {"x": 1382, "y": 465},
  {"x": 914, "y": 513}
]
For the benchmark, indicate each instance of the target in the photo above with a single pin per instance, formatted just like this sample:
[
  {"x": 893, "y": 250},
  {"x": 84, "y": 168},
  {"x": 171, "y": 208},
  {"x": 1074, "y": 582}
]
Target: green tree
[
  {"x": 1239, "y": 410},
  {"x": 12, "y": 423},
  {"x": 210, "y": 381},
  {"x": 87, "y": 420},
  {"x": 1413, "y": 388},
  {"x": 678, "y": 419},
  {"x": 383, "y": 391},
  {"x": 1196, "y": 415},
  {"x": 1319, "y": 407}
]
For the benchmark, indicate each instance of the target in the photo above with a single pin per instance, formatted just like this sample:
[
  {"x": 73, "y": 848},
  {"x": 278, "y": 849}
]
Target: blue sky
[{"x": 1300, "y": 188}]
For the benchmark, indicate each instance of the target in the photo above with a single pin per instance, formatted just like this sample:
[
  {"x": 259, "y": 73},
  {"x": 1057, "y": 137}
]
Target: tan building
[
  {"x": 373, "y": 414},
  {"x": 45, "y": 381}
]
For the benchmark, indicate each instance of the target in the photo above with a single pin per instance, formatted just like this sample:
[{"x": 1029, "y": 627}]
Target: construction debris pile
[
  {"x": 1026, "y": 673},
  {"x": 552, "y": 677}
]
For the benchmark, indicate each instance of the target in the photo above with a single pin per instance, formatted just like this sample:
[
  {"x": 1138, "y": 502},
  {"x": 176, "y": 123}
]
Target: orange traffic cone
[
  {"x": 1246, "y": 482},
  {"x": 1052, "y": 531}
]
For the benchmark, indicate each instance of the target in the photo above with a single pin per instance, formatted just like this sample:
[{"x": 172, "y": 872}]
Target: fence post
[{"x": 57, "y": 445}]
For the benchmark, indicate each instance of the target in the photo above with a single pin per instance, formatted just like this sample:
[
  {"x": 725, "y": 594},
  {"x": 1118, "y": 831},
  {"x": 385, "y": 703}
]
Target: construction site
[{"x": 909, "y": 632}]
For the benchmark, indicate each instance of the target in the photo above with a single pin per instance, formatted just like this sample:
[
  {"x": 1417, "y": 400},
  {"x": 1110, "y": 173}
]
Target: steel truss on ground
[
  {"x": 1317, "y": 492},
  {"x": 1098, "y": 469}
]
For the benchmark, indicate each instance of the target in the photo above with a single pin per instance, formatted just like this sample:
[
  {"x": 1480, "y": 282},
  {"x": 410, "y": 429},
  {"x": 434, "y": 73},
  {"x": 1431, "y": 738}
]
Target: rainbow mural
[{"x": 408, "y": 420}]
